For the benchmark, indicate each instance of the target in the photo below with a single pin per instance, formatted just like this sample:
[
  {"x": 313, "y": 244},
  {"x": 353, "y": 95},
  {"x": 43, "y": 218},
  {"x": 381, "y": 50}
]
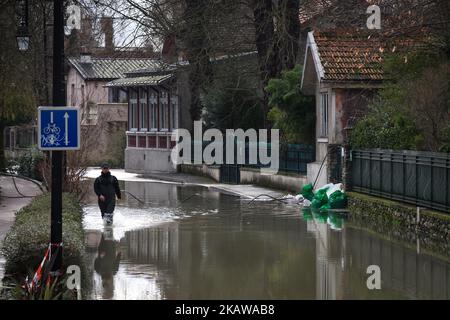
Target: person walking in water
[{"x": 106, "y": 187}]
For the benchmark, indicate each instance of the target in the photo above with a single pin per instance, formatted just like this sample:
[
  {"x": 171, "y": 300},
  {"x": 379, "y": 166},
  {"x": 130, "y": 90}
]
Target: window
[
  {"x": 122, "y": 96},
  {"x": 163, "y": 112},
  {"x": 174, "y": 115},
  {"x": 153, "y": 111},
  {"x": 115, "y": 95},
  {"x": 143, "y": 118},
  {"x": 163, "y": 115},
  {"x": 324, "y": 114},
  {"x": 153, "y": 116},
  {"x": 133, "y": 114}
]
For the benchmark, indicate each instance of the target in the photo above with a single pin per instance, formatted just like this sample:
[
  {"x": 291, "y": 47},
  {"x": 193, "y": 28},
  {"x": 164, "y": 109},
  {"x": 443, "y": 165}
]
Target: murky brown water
[{"x": 190, "y": 243}]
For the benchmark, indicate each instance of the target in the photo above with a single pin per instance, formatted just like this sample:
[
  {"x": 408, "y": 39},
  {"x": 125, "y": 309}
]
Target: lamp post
[
  {"x": 59, "y": 99},
  {"x": 22, "y": 36}
]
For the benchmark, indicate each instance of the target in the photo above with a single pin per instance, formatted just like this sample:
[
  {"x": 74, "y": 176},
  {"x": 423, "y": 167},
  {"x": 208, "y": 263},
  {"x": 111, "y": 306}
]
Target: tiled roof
[
  {"x": 110, "y": 68},
  {"x": 350, "y": 56},
  {"x": 140, "y": 81},
  {"x": 157, "y": 69}
]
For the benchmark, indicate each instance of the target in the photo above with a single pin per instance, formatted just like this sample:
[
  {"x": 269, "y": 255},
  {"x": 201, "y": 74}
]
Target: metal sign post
[
  {"x": 59, "y": 99},
  {"x": 58, "y": 129}
]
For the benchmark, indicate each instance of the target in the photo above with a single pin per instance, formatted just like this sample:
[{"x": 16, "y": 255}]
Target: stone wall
[
  {"x": 140, "y": 160},
  {"x": 288, "y": 182},
  {"x": 201, "y": 170},
  {"x": 401, "y": 221}
]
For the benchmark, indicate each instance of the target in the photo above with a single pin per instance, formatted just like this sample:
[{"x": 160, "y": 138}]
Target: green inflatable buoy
[
  {"x": 320, "y": 199},
  {"x": 307, "y": 192},
  {"x": 338, "y": 200}
]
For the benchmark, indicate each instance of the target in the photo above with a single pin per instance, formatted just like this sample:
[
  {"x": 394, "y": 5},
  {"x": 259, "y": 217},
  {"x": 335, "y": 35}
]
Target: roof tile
[
  {"x": 349, "y": 56},
  {"x": 140, "y": 81},
  {"x": 110, "y": 68}
]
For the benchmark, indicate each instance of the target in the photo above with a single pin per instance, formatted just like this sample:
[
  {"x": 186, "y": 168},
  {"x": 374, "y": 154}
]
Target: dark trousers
[{"x": 107, "y": 206}]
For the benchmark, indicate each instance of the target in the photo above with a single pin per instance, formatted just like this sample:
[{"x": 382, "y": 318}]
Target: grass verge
[{"x": 27, "y": 241}]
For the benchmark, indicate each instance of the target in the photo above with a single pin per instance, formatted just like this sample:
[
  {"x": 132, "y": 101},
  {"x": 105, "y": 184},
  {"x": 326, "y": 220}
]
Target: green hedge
[{"x": 27, "y": 240}]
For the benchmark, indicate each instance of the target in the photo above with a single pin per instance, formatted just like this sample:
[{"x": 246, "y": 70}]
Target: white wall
[{"x": 148, "y": 160}]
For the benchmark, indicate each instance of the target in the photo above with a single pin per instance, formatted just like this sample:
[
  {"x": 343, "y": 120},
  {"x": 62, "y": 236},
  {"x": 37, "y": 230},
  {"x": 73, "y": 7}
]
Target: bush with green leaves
[
  {"x": 412, "y": 112},
  {"x": 116, "y": 155},
  {"x": 291, "y": 111},
  {"x": 445, "y": 147},
  {"x": 30, "y": 163},
  {"x": 27, "y": 241},
  {"x": 231, "y": 102},
  {"x": 385, "y": 127}
]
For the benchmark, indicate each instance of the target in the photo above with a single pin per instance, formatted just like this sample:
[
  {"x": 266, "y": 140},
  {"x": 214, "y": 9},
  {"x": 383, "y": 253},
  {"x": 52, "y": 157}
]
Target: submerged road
[{"x": 201, "y": 241}]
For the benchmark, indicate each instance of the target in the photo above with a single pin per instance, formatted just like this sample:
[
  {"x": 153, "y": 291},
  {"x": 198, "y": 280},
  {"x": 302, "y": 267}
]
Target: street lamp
[{"x": 22, "y": 36}]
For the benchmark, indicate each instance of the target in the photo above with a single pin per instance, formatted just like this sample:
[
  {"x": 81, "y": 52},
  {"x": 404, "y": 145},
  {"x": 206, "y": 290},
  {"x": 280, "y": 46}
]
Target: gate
[
  {"x": 418, "y": 178},
  {"x": 230, "y": 173}
]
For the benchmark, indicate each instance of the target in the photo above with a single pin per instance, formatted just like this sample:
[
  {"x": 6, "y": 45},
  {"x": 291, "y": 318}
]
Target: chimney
[
  {"x": 85, "y": 56},
  {"x": 108, "y": 31}
]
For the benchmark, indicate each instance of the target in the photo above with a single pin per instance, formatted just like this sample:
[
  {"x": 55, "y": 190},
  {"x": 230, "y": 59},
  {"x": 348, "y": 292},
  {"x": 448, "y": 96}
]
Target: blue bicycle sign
[{"x": 59, "y": 128}]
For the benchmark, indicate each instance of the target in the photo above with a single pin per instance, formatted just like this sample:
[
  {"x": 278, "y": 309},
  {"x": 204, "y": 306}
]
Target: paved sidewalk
[
  {"x": 10, "y": 202},
  {"x": 247, "y": 191}
]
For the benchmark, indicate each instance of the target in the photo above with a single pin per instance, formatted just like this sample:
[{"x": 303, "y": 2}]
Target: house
[
  {"x": 87, "y": 77},
  {"x": 343, "y": 70},
  {"x": 158, "y": 103},
  {"x": 103, "y": 109}
]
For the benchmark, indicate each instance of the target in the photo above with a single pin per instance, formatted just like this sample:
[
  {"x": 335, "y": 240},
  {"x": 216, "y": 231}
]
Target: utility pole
[{"x": 59, "y": 99}]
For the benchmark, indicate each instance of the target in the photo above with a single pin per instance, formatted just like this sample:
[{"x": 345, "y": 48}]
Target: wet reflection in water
[
  {"x": 191, "y": 243},
  {"x": 107, "y": 262}
]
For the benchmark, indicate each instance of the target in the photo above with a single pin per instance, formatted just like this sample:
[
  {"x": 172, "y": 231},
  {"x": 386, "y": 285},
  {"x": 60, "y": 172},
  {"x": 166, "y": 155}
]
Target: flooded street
[{"x": 187, "y": 242}]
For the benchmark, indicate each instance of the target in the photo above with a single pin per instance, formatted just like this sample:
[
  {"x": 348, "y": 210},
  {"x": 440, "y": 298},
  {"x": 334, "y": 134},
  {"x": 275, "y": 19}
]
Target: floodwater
[{"x": 187, "y": 242}]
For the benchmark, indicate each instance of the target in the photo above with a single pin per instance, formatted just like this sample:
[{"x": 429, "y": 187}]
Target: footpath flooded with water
[{"x": 188, "y": 242}]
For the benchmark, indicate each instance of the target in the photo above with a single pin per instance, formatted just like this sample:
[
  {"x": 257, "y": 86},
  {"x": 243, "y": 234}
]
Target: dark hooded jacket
[{"x": 108, "y": 186}]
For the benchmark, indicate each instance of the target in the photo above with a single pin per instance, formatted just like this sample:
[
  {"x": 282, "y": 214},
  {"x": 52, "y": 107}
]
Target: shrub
[
  {"x": 445, "y": 134},
  {"x": 413, "y": 111},
  {"x": 29, "y": 164},
  {"x": 385, "y": 127},
  {"x": 116, "y": 154},
  {"x": 232, "y": 103},
  {"x": 27, "y": 240},
  {"x": 291, "y": 111}
]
